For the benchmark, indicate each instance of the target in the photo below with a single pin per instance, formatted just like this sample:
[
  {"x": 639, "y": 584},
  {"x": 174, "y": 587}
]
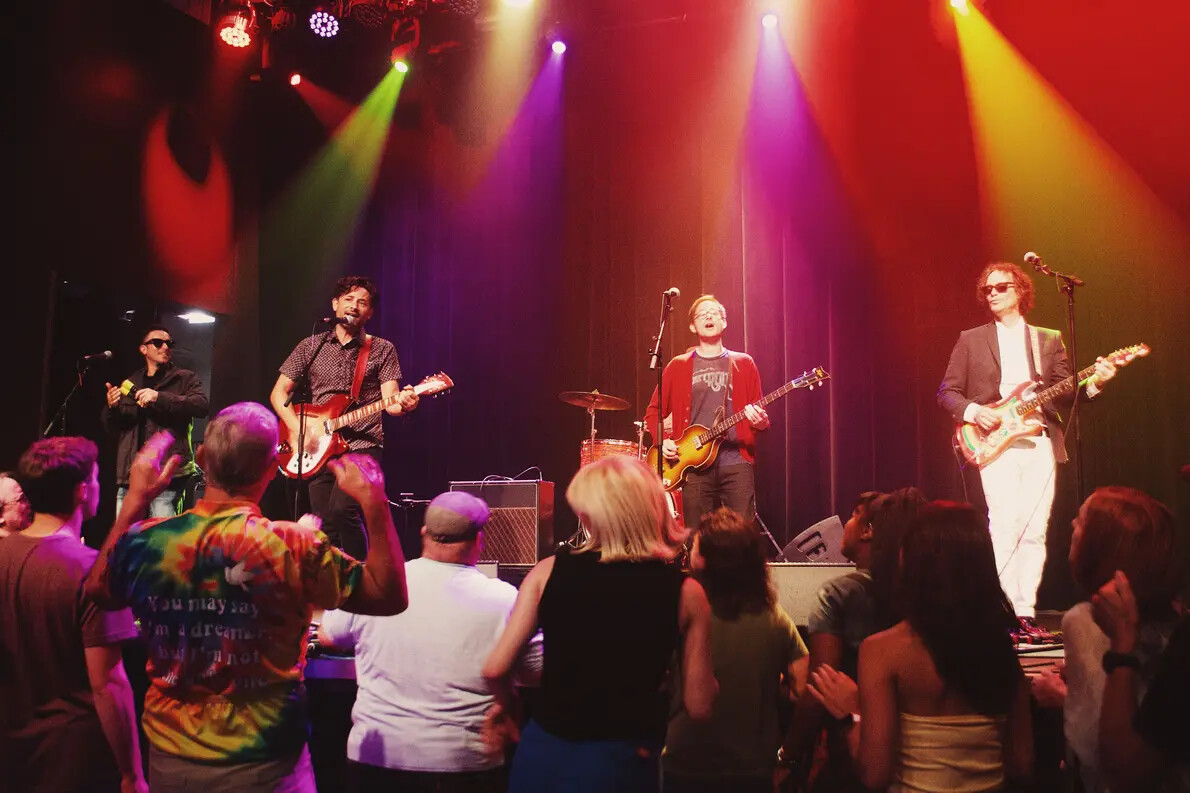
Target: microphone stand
[
  {"x": 301, "y": 394},
  {"x": 60, "y": 415},
  {"x": 1066, "y": 284},
  {"x": 655, "y": 364}
]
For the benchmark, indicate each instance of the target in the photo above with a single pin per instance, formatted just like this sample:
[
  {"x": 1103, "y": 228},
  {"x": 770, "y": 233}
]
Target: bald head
[{"x": 239, "y": 451}]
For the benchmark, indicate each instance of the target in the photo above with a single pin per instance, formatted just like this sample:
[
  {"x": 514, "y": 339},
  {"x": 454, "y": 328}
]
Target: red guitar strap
[{"x": 361, "y": 363}]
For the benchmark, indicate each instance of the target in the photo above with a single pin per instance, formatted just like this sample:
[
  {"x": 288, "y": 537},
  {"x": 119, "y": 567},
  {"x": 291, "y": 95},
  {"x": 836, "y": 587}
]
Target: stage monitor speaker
[
  {"x": 521, "y": 529},
  {"x": 821, "y": 543}
]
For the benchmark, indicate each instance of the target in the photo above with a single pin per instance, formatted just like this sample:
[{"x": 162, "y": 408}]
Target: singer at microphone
[
  {"x": 697, "y": 384},
  {"x": 158, "y": 397},
  {"x": 347, "y": 360}
]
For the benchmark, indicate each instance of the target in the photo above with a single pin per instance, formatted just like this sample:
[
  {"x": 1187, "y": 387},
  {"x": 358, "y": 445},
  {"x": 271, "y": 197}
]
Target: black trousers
[
  {"x": 373, "y": 779},
  {"x": 342, "y": 520},
  {"x": 732, "y": 486}
]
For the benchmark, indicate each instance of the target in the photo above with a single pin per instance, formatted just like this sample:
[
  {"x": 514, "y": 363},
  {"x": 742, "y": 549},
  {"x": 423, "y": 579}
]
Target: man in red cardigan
[{"x": 705, "y": 384}]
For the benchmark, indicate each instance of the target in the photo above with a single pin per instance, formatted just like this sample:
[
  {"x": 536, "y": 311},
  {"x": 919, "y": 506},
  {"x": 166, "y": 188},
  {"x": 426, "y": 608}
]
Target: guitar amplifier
[{"x": 521, "y": 528}]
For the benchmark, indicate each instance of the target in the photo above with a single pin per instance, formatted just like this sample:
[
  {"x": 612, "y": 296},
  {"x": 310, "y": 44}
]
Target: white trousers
[{"x": 1019, "y": 488}]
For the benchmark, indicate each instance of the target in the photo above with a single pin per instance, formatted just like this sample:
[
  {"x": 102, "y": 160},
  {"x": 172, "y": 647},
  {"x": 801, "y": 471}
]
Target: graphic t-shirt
[
  {"x": 224, "y": 597},
  {"x": 710, "y": 399}
]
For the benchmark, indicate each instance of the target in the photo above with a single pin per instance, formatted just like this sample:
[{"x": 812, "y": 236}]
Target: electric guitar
[
  {"x": 324, "y": 421},
  {"x": 1020, "y": 412},
  {"x": 699, "y": 446}
]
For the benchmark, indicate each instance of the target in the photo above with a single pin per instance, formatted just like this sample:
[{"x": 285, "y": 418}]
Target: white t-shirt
[{"x": 422, "y": 696}]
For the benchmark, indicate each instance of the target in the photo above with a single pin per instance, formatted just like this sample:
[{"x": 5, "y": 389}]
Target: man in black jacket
[{"x": 159, "y": 396}]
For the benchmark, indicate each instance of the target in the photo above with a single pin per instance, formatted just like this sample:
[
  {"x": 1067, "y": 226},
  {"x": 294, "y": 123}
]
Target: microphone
[
  {"x": 1032, "y": 258},
  {"x": 332, "y": 321},
  {"x": 672, "y": 292},
  {"x": 106, "y": 355}
]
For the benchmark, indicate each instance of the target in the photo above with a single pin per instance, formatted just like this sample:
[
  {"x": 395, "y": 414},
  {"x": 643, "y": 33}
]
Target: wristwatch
[{"x": 1113, "y": 660}]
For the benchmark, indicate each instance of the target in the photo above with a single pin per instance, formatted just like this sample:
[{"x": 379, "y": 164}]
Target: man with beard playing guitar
[
  {"x": 332, "y": 372},
  {"x": 700, "y": 386}
]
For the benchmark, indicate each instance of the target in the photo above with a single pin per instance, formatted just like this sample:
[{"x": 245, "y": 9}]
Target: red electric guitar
[{"x": 324, "y": 421}]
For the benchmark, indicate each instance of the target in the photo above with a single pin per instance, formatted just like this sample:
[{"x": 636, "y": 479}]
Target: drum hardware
[{"x": 593, "y": 449}]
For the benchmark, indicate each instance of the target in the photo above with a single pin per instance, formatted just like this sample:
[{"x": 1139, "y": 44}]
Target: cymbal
[{"x": 593, "y": 400}]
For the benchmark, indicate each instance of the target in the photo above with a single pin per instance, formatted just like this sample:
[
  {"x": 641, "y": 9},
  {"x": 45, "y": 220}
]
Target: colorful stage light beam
[
  {"x": 1047, "y": 178},
  {"x": 960, "y": 6},
  {"x": 311, "y": 225}
]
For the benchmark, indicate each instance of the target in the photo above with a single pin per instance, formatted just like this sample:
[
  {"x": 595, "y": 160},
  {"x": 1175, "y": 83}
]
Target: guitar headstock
[
  {"x": 435, "y": 384},
  {"x": 811, "y": 379},
  {"x": 1125, "y": 355}
]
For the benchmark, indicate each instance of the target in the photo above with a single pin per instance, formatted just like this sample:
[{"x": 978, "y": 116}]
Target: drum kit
[{"x": 594, "y": 448}]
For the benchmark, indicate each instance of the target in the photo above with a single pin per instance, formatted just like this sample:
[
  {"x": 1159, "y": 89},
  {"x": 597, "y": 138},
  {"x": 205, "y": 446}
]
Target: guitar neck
[
  {"x": 721, "y": 427},
  {"x": 372, "y": 409},
  {"x": 1053, "y": 392}
]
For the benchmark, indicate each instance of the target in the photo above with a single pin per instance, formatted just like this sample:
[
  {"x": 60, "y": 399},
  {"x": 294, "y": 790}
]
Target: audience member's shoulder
[{"x": 844, "y": 587}]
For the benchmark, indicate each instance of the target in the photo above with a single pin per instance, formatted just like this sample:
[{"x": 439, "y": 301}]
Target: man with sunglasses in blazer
[
  {"x": 987, "y": 363},
  {"x": 159, "y": 396}
]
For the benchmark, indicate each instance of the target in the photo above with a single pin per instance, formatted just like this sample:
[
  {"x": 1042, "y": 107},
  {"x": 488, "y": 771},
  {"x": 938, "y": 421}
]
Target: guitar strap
[
  {"x": 1035, "y": 346},
  {"x": 361, "y": 363}
]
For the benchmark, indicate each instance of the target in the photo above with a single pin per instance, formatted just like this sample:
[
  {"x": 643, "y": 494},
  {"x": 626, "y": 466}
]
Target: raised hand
[
  {"x": 360, "y": 477},
  {"x": 1115, "y": 612},
  {"x": 151, "y": 470},
  {"x": 113, "y": 395}
]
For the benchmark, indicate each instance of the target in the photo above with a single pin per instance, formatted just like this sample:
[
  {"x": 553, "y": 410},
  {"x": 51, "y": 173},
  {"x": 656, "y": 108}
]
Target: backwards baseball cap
[{"x": 455, "y": 516}]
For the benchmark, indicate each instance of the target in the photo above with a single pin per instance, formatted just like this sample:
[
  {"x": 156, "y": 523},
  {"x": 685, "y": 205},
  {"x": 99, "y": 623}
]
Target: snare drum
[{"x": 600, "y": 448}]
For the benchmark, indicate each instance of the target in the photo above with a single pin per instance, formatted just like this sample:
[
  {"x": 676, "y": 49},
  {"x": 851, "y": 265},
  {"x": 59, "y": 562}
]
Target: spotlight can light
[
  {"x": 769, "y": 20},
  {"x": 237, "y": 24},
  {"x": 960, "y": 6},
  {"x": 558, "y": 46},
  {"x": 295, "y": 79},
  {"x": 401, "y": 66}
]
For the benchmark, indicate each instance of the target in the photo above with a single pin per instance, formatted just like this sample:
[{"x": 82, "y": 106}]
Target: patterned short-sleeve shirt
[
  {"x": 224, "y": 598},
  {"x": 334, "y": 369}
]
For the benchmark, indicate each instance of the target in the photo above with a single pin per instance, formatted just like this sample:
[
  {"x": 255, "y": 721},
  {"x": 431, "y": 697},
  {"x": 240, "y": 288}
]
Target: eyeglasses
[
  {"x": 708, "y": 314},
  {"x": 999, "y": 288},
  {"x": 159, "y": 343}
]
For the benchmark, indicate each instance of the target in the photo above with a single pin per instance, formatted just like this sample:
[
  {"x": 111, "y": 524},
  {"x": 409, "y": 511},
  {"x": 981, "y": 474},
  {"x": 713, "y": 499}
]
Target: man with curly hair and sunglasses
[
  {"x": 988, "y": 362},
  {"x": 158, "y": 396}
]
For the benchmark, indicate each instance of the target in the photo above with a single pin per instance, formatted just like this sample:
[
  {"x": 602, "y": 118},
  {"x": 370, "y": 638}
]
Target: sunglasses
[
  {"x": 1001, "y": 288},
  {"x": 159, "y": 343}
]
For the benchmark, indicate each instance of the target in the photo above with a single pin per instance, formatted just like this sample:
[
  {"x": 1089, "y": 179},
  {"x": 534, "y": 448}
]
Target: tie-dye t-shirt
[{"x": 224, "y": 598}]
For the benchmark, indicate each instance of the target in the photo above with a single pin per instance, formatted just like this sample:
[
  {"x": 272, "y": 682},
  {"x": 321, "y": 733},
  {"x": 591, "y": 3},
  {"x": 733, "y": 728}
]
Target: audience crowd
[{"x": 610, "y": 669}]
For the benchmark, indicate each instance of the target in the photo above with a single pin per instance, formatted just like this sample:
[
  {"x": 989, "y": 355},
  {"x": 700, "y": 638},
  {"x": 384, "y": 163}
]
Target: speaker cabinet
[{"x": 521, "y": 529}]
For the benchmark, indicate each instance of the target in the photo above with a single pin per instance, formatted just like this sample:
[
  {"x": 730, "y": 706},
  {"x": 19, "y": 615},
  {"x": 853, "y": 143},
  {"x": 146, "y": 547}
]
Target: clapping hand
[
  {"x": 153, "y": 468},
  {"x": 360, "y": 477}
]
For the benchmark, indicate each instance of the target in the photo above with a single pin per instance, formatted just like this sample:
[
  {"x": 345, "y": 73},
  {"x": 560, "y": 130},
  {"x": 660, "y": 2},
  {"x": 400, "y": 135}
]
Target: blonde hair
[{"x": 622, "y": 504}]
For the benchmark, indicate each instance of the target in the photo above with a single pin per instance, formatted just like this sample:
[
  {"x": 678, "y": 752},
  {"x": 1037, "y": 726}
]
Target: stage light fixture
[
  {"x": 324, "y": 21},
  {"x": 401, "y": 66},
  {"x": 295, "y": 79},
  {"x": 237, "y": 24},
  {"x": 518, "y": 3},
  {"x": 368, "y": 14},
  {"x": 960, "y": 6},
  {"x": 769, "y": 20},
  {"x": 558, "y": 46},
  {"x": 406, "y": 37},
  {"x": 196, "y": 317}
]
